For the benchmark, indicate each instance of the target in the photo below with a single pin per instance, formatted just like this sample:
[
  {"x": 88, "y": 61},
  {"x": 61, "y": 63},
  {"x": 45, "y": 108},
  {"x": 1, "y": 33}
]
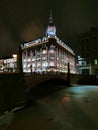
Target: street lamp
[{"x": 14, "y": 55}]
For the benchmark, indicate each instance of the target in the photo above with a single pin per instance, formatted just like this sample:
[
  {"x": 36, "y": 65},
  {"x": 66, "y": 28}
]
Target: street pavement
[{"x": 69, "y": 108}]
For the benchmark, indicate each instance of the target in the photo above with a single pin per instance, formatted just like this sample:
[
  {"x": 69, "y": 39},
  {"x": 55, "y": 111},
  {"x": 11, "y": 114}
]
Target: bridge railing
[
  {"x": 45, "y": 73},
  {"x": 35, "y": 78}
]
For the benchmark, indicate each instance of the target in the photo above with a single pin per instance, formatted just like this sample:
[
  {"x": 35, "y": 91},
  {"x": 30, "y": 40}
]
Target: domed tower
[{"x": 51, "y": 29}]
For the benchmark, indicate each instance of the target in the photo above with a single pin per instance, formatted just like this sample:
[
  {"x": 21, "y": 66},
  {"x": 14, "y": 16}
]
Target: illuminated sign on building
[{"x": 34, "y": 42}]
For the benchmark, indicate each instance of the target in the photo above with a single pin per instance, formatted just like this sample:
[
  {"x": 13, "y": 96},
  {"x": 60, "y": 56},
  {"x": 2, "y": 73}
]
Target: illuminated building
[
  {"x": 47, "y": 53},
  {"x": 8, "y": 63}
]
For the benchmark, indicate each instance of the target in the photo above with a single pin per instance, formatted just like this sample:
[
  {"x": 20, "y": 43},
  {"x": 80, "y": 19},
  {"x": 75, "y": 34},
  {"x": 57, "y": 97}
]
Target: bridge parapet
[{"x": 35, "y": 79}]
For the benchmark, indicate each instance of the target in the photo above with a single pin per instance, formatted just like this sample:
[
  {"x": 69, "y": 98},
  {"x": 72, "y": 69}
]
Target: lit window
[
  {"x": 44, "y": 51},
  {"x": 95, "y": 62},
  {"x": 51, "y": 63}
]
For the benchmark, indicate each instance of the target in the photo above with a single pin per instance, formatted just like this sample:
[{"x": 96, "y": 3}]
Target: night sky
[{"x": 22, "y": 20}]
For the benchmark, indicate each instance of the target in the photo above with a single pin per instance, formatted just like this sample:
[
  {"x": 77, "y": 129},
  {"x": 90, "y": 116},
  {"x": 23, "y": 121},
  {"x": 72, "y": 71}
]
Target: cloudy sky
[{"x": 22, "y": 20}]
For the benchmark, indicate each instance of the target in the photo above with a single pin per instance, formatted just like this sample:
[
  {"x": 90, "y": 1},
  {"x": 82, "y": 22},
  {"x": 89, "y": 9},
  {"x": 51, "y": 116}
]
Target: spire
[
  {"x": 50, "y": 18},
  {"x": 51, "y": 29}
]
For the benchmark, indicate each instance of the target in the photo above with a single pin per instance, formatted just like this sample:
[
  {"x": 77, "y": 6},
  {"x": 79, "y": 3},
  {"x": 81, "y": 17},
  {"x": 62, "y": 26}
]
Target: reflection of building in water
[{"x": 47, "y": 53}]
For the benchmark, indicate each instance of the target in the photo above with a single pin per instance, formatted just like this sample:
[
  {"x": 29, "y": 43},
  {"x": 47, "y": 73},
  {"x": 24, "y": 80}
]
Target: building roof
[{"x": 45, "y": 40}]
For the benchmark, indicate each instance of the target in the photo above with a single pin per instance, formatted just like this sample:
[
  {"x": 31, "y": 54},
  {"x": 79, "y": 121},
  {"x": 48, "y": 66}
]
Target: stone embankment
[
  {"x": 12, "y": 91},
  {"x": 84, "y": 79}
]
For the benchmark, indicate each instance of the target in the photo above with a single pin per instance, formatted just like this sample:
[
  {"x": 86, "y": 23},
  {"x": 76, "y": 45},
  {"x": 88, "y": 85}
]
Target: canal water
[{"x": 57, "y": 108}]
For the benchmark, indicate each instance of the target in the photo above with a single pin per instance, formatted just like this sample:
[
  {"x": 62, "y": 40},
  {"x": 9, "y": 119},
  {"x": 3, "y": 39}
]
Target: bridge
[
  {"x": 13, "y": 86},
  {"x": 34, "y": 79}
]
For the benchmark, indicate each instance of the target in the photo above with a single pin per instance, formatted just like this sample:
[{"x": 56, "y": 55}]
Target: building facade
[
  {"x": 48, "y": 53},
  {"x": 88, "y": 51},
  {"x": 8, "y": 63}
]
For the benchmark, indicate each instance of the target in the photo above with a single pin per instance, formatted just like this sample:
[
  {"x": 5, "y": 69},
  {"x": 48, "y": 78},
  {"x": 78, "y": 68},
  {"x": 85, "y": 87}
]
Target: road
[{"x": 73, "y": 108}]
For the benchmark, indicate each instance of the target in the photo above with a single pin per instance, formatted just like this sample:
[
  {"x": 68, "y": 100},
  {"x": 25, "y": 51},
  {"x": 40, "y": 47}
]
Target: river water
[{"x": 59, "y": 108}]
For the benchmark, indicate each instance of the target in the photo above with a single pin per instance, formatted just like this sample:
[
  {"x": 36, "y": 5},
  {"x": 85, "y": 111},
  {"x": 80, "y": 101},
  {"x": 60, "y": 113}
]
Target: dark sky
[{"x": 22, "y": 20}]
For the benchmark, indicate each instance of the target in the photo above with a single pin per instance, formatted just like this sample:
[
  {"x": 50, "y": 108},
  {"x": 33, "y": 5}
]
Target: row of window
[{"x": 88, "y": 39}]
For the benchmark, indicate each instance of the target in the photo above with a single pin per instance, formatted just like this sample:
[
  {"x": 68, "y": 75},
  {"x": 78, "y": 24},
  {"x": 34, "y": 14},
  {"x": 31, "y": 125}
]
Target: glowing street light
[{"x": 14, "y": 55}]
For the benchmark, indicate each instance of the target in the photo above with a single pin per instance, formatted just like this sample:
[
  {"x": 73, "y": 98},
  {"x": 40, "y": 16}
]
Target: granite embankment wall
[
  {"x": 83, "y": 79},
  {"x": 12, "y": 91}
]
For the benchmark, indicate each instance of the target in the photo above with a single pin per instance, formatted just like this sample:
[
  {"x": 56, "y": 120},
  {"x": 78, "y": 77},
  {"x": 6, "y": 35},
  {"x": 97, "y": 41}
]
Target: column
[
  {"x": 26, "y": 60},
  {"x": 41, "y": 57},
  {"x": 48, "y": 57},
  {"x": 35, "y": 60},
  {"x": 31, "y": 54},
  {"x": 56, "y": 54}
]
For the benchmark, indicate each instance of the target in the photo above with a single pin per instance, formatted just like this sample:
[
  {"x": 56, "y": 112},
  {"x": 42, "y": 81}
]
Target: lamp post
[{"x": 19, "y": 60}]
